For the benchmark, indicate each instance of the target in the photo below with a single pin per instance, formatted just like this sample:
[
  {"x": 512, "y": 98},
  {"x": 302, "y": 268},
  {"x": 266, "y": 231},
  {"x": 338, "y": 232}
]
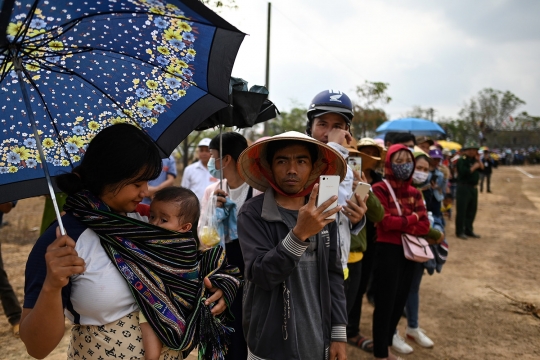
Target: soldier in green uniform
[{"x": 468, "y": 169}]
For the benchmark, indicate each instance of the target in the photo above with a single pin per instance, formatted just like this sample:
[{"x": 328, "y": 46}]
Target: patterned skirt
[{"x": 121, "y": 339}]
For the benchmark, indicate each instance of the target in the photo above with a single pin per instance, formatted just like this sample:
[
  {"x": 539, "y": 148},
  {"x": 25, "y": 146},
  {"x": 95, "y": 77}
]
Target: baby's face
[{"x": 165, "y": 215}]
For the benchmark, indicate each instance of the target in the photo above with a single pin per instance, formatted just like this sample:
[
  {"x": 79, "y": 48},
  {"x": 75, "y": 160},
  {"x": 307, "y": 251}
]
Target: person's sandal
[
  {"x": 362, "y": 343},
  {"x": 16, "y": 330}
]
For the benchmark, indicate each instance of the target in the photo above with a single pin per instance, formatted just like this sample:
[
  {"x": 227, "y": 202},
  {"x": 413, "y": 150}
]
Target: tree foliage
[
  {"x": 421, "y": 113},
  {"x": 491, "y": 110},
  {"x": 366, "y": 121},
  {"x": 524, "y": 121},
  {"x": 187, "y": 148},
  {"x": 459, "y": 131},
  {"x": 294, "y": 120},
  {"x": 367, "y": 117}
]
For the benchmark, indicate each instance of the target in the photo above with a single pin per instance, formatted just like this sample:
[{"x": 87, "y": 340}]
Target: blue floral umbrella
[
  {"x": 69, "y": 68},
  {"x": 415, "y": 126}
]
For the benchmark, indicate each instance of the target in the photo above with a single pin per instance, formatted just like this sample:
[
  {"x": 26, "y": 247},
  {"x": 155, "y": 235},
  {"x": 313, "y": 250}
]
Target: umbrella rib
[
  {"x": 26, "y": 22},
  {"x": 84, "y": 17},
  {"x": 69, "y": 25},
  {"x": 129, "y": 58},
  {"x": 37, "y": 39},
  {"x": 3, "y": 66},
  {"x": 70, "y": 72},
  {"x": 62, "y": 143}
]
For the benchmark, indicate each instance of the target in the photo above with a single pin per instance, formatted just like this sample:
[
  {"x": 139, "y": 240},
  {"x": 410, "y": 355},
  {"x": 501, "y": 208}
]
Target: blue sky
[{"x": 432, "y": 53}]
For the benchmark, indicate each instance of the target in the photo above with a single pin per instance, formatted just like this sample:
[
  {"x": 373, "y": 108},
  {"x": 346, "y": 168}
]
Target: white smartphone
[
  {"x": 328, "y": 187},
  {"x": 362, "y": 189},
  {"x": 355, "y": 162}
]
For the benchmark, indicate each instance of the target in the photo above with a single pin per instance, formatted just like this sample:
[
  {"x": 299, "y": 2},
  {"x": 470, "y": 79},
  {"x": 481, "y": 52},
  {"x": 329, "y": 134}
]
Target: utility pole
[{"x": 267, "y": 82}]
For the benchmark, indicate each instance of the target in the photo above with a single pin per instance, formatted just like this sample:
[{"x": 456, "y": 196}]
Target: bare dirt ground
[{"x": 465, "y": 318}]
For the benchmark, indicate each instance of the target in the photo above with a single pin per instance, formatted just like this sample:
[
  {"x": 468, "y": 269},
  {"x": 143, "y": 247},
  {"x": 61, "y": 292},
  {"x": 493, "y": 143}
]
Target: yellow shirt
[{"x": 355, "y": 257}]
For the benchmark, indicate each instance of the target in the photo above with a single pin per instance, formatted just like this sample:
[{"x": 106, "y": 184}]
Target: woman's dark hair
[
  {"x": 422, "y": 157},
  {"x": 189, "y": 208},
  {"x": 400, "y": 138},
  {"x": 389, "y": 137},
  {"x": 274, "y": 146},
  {"x": 118, "y": 155},
  {"x": 232, "y": 144}
]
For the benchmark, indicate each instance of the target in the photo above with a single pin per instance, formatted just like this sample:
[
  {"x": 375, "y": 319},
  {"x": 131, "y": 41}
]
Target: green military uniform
[{"x": 466, "y": 194}]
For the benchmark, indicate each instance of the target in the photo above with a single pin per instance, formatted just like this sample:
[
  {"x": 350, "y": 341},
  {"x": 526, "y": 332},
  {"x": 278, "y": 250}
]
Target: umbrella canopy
[
  {"x": 450, "y": 145},
  {"x": 414, "y": 126},
  {"x": 73, "y": 68},
  {"x": 248, "y": 107}
]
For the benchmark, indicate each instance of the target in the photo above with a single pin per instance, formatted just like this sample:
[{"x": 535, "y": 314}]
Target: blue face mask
[
  {"x": 403, "y": 171},
  {"x": 212, "y": 168}
]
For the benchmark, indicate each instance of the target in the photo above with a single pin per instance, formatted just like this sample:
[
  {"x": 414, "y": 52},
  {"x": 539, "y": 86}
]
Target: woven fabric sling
[{"x": 165, "y": 273}]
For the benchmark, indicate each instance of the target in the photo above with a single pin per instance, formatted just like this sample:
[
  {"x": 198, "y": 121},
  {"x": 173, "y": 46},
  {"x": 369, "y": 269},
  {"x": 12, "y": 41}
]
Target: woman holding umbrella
[{"x": 101, "y": 274}]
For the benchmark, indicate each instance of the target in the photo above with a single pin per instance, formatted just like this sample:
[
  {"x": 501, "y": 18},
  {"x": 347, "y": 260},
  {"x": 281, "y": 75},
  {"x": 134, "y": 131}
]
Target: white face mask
[{"x": 419, "y": 177}]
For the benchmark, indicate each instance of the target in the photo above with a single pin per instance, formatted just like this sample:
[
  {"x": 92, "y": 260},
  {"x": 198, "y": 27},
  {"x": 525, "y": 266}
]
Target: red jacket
[{"x": 392, "y": 225}]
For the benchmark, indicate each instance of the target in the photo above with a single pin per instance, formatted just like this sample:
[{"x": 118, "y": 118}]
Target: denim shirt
[{"x": 441, "y": 184}]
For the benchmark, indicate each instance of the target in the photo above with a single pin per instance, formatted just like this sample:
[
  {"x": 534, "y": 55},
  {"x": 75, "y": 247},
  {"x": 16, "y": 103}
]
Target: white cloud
[{"x": 425, "y": 50}]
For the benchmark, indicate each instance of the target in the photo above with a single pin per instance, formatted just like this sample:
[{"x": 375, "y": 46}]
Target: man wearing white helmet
[{"x": 329, "y": 120}]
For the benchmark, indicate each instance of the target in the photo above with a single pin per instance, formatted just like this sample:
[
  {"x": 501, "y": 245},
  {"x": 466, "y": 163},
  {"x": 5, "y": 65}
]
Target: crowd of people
[
  {"x": 288, "y": 276},
  {"x": 517, "y": 156}
]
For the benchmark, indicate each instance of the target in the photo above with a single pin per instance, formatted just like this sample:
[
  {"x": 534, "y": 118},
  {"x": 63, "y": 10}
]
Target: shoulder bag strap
[{"x": 393, "y": 195}]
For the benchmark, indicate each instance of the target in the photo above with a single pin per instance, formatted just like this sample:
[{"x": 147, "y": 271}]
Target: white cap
[{"x": 205, "y": 142}]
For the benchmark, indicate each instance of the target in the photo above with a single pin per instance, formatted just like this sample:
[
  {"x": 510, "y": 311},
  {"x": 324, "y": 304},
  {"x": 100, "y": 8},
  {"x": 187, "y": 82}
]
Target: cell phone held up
[
  {"x": 355, "y": 162},
  {"x": 328, "y": 187},
  {"x": 362, "y": 189}
]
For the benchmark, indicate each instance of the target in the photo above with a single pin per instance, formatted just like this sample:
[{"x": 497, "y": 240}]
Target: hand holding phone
[
  {"x": 312, "y": 219},
  {"x": 362, "y": 189},
  {"x": 328, "y": 187},
  {"x": 355, "y": 162},
  {"x": 355, "y": 210}
]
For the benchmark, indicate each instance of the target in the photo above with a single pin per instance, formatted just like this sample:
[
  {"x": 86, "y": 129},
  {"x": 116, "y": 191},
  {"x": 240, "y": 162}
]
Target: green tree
[
  {"x": 524, "y": 121},
  {"x": 490, "y": 110},
  {"x": 366, "y": 116},
  {"x": 294, "y": 120},
  {"x": 188, "y": 147},
  {"x": 421, "y": 113},
  {"x": 459, "y": 131}
]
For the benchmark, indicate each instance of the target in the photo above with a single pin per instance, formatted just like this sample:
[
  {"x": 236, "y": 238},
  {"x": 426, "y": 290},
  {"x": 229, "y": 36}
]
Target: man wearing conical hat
[
  {"x": 294, "y": 302},
  {"x": 468, "y": 169}
]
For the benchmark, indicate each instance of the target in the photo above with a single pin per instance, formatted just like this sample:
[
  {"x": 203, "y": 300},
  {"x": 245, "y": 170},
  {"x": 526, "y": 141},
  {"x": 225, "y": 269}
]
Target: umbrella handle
[
  {"x": 40, "y": 149},
  {"x": 220, "y": 157}
]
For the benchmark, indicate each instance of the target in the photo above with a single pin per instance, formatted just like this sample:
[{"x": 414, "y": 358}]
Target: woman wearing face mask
[
  {"x": 231, "y": 193},
  {"x": 393, "y": 273},
  {"x": 434, "y": 236}
]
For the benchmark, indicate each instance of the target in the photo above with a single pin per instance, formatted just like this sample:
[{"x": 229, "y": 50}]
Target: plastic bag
[{"x": 207, "y": 230}]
